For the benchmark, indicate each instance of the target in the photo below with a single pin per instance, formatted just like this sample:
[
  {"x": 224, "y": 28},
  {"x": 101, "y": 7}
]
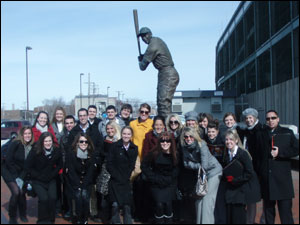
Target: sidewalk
[{"x": 32, "y": 205}]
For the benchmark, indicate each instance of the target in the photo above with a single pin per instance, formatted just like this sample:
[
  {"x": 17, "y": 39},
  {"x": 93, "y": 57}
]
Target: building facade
[
  {"x": 217, "y": 103},
  {"x": 257, "y": 57},
  {"x": 100, "y": 101}
]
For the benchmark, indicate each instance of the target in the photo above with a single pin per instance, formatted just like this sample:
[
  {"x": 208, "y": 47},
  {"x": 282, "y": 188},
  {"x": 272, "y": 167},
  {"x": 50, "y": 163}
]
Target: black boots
[
  {"x": 169, "y": 219},
  {"x": 164, "y": 219},
  {"x": 127, "y": 215},
  {"x": 115, "y": 212}
]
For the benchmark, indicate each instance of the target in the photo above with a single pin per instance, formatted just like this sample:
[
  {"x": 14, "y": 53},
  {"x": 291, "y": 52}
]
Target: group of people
[{"x": 146, "y": 170}]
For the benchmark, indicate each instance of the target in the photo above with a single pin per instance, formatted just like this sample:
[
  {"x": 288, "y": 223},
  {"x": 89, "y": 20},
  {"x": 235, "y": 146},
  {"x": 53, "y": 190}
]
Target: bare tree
[{"x": 51, "y": 104}]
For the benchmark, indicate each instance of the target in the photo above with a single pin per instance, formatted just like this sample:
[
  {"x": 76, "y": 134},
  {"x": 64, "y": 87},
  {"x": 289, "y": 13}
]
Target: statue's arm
[
  {"x": 148, "y": 57},
  {"x": 143, "y": 64}
]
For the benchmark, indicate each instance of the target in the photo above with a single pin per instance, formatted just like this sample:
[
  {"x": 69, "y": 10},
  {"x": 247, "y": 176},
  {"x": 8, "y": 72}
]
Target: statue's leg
[{"x": 166, "y": 87}]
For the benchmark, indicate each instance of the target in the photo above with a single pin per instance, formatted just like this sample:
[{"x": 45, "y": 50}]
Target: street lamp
[
  {"x": 81, "y": 91},
  {"x": 107, "y": 95},
  {"x": 27, "y": 48}
]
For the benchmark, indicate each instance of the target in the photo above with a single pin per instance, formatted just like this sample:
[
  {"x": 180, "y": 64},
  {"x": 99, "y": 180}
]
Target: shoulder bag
[{"x": 201, "y": 185}]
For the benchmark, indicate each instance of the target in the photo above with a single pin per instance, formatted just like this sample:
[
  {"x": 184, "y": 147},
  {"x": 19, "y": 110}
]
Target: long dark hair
[
  {"x": 90, "y": 147},
  {"x": 158, "y": 149},
  {"x": 40, "y": 144},
  {"x": 38, "y": 115}
]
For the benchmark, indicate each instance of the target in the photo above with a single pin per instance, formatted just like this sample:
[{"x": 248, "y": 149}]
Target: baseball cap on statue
[{"x": 144, "y": 30}]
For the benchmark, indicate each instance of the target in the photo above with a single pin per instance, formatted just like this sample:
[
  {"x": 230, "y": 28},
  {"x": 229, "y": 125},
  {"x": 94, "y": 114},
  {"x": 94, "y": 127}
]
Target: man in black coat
[{"x": 278, "y": 146}]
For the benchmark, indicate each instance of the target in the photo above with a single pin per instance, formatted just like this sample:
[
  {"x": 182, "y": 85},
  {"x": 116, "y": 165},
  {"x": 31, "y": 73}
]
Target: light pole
[
  {"x": 81, "y": 91},
  {"x": 107, "y": 95},
  {"x": 27, "y": 48}
]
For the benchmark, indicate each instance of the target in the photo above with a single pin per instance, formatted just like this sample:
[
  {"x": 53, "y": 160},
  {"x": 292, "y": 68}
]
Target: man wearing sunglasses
[{"x": 278, "y": 146}]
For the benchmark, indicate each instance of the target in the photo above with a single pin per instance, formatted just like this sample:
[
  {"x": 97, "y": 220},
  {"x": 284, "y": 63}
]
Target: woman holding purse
[{"x": 195, "y": 153}]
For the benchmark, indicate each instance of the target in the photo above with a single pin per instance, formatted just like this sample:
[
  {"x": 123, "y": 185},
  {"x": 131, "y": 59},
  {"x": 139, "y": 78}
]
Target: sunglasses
[
  {"x": 144, "y": 112},
  {"x": 81, "y": 142},
  {"x": 188, "y": 136},
  {"x": 174, "y": 122},
  {"x": 167, "y": 140},
  {"x": 271, "y": 118}
]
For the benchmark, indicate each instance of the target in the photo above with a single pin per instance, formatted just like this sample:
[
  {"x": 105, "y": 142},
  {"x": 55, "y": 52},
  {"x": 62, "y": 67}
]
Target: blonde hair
[
  {"x": 233, "y": 134},
  {"x": 168, "y": 121},
  {"x": 116, "y": 127},
  {"x": 192, "y": 132}
]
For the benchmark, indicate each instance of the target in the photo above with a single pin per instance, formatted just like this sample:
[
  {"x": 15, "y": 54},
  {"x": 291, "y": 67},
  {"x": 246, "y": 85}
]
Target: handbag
[
  {"x": 102, "y": 180},
  {"x": 201, "y": 185}
]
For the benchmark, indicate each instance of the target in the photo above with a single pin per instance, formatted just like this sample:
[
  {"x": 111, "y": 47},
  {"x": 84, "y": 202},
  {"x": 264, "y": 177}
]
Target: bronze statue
[{"x": 158, "y": 53}]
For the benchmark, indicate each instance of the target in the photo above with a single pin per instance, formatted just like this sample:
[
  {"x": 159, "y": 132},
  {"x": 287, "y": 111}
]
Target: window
[
  {"x": 249, "y": 30},
  {"x": 296, "y": 52},
  {"x": 280, "y": 11},
  {"x": 240, "y": 82},
  {"x": 262, "y": 22},
  {"x": 282, "y": 60},
  {"x": 263, "y": 70},
  {"x": 250, "y": 78},
  {"x": 227, "y": 85},
  {"x": 232, "y": 53},
  {"x": 240, "y": 42},
  {"x": 295, "y": 8},
  {"x": 233, "y": 83},
  {"x": 225, "y": 58}
]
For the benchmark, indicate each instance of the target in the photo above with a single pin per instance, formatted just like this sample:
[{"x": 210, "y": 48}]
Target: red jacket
[
  {"x": 37, "y": 134},
  {"x": 149, "y": 143}
]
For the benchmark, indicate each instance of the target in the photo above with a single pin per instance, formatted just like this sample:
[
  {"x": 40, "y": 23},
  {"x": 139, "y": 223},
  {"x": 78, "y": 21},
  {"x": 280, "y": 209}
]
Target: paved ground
[{"x": 32, "y": 205}]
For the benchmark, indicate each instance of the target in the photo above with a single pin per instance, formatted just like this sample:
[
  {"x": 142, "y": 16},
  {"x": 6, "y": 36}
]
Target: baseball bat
[{"x": 136, "y": 24}]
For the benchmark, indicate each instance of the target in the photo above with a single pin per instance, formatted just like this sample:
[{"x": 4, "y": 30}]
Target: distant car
[{"x": 11, "y": 128}]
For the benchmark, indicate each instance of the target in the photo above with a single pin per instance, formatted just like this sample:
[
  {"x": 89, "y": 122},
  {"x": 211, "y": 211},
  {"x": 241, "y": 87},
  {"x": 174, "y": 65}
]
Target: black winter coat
[
  {"x": 161, "y": 173},
  {"x": 15, "y": 162},
  {"x": 93, "y": 133},
  {"x": 43, "y": 169},
  {"x": 120, "y": 164},
  {"x": 276, "y": 177},
  {"x": 80, "y": 171},
  {"x": 244, "y": 189},
  {"x": 253, "y": 141}
]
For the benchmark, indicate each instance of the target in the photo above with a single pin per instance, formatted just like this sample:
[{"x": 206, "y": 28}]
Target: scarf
[
  {"x": 156, "y": 134},
  {"x": 40, "y": 128},
  {"x": 82, "y": 154},
  {"x": 27, "y": 150},
  {"x": 250, "y": 128},
  {"x": 48, "y": 152},
  {"x": 191, "y": 155}
]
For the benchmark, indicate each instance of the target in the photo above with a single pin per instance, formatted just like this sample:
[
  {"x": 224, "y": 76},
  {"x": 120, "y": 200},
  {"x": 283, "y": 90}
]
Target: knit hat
[
  {"x": 250, "y": 111},
  {"x": 192, "y": 115}
]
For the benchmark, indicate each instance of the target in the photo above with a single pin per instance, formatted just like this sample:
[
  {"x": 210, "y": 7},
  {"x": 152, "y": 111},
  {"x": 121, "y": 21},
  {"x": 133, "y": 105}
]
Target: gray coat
[
  {"x": 201, "y": 155},
  {"x": 57, "y": 133}
]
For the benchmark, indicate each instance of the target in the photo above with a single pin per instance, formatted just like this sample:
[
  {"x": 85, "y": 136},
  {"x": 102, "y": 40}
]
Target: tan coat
[{"x": 139, "y": 132}]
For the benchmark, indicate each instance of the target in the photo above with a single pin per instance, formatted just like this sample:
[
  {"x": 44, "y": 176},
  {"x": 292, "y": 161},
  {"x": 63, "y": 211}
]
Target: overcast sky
[{"x": 69, "y": 38}]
